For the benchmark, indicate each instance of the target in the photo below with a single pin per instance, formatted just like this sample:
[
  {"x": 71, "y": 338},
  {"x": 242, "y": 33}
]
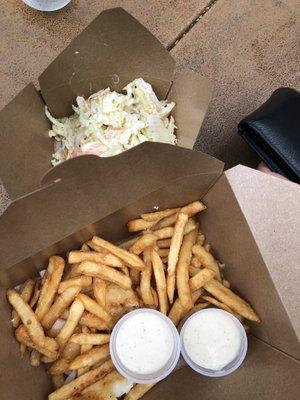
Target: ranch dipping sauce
[
  {"x": 214, "y": 342},
  {"x": 145, "y": 346}
]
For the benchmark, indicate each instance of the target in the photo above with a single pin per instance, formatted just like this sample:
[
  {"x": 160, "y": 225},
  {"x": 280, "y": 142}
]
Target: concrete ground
[{"x": 247, "y": 48}]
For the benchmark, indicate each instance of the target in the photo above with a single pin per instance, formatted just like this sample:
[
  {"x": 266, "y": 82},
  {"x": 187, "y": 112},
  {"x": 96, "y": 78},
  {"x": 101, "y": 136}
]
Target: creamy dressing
[
  {"x": 212, "y": 340},
  {"x": 144, "y": 343}
]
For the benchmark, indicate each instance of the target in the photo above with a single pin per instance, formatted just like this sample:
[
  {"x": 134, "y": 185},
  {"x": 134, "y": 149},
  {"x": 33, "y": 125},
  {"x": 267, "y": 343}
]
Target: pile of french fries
[{"x": 64, "y": 319}]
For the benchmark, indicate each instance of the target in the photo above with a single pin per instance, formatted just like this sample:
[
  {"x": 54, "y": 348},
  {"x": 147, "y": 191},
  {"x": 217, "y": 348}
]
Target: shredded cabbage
[{"x": 108, "y": 123}]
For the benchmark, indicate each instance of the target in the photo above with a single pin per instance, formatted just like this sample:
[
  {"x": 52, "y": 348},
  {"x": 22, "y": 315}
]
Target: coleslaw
[{"x": 108, "y": 123}]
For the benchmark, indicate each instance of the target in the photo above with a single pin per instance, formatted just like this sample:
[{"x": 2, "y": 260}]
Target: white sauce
[
  {"x": 212, "y": 340},
  {"x": 144, "y": 343}
]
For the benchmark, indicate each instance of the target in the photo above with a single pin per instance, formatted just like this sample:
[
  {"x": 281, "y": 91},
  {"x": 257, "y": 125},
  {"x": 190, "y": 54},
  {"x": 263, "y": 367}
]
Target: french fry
[
  {"x": 85, "y": 247},
  {"x": 166, "y": 222},
  {"x": 174, "y": 252},
  {"x": 92, "y": 321},
  {"x": 221, "y": 305},
  {"x": 26, "y": 294},
  {"x": 23, "y": 337},
  {"x": 35, "y": 358},
  {"x": 164, "y": 233},
  {"x": 99, "y": 257},
  {"x": 137, "y": 225},
  {"x": 161, "y": 286},
  {"x": 155, "y": 297},
  {"x": 52, "y": 280},
  {"x": 57, "y": 381},
  {"x": 80, "y": 281},
  {"x": 61, "y": 365},
  {"x": 47, "y": 360},
  {"x": 232, "y": 300},
  {"x": 163, "y": 252},
  {"x": 158, "y": 215},
  {"x": 22, "y": 349},
  {"x": 146, "y": 240},
  {"x": 36, "y": 294},
  {"x": 84, "y": 348},
  {"x": 182, "y": 277},
  {"x": 164, "y": 243},
  {"x": 99, "y": 290},
  {"x": 207, "y": 247},
  {"x": 145, "y": 282},
  {"x": 226, "y": 283},
  {"x": 206, "y": 259},
  {"x": 177, "y": 312},
  {"x": 199, "y": 280},
  {"x": 193, "y": 208},
  {"x": 107, "y": 273},
  {"x": 200, "y": 239},
  {"x": 90, "y": 338},
  {"x": 138, "y": 391},
  {"x": 193, "y": 270},
  {"x": 93, "y": 307},
  {"x": 59, "y": 306},
  {"x": 130, "y": 259},
  {"x": 79, "y": 384},
  {"x": 117, "y": 296},
  {"x": 125, "y": 270},
  {"x": 76, "y": 311},
  {"x": 128, "y": 243},
  {"x": 89, "y": 358},
  {"x": 104, "y": 388},
  {"x": 196, "y": 262}
]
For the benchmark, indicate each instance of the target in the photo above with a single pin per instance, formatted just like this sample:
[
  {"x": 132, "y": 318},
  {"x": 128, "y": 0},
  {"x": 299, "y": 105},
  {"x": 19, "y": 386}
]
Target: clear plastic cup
[
  {"x": 47, "y": 5},
  {"x": 234, "y": 364},
  {"x": 157, "y": 375}
]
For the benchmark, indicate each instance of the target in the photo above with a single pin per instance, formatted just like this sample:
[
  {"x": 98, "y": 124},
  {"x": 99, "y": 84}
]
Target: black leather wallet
[{"x": 273, "y": 132}]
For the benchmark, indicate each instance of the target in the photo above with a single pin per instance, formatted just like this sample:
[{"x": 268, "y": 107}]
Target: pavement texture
[{"x": 246, "y": 48}]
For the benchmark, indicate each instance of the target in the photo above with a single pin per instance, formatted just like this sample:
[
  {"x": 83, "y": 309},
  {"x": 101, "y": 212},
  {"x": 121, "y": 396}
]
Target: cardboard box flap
[
  {"x": 85, "y": 194},
  {"x": 191, "y": 94},
  {"x": 25, "y": 148},
  {"x": 257, "y": 231},
  {"x": 113, "y": 50}
]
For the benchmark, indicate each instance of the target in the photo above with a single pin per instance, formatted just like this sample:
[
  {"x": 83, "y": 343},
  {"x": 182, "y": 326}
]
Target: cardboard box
[{"x": 250, "y": 221}]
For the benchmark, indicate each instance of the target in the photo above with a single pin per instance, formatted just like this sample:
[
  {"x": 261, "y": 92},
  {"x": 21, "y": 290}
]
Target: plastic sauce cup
[
  {"x": 144, "y": 320},
  {"x": 47, "y": 5},
  {"x": 234, "y": 363}
]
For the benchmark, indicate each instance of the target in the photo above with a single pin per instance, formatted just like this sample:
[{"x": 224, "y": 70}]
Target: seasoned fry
[
  {"x": 90, "y": 338},
  {"x": 146, "y": 240},
  {"x": 107, "y": 273},
  {"x": 93, "y": 307},
  {"x": 158, "y": 270},
  {"x": 89, "y": 358},
  {"x": 99, "y": 290},
  {"x": 26, "y": 294},
  {"x": 52, "y": 277},
  {"x": 79, "y": 384},
  {"x": 166, "y": 222},
  {"x": 59, "y": 306},
  {"x": 164, "y": 243},
  {"x": 57, "y": 381},
  {"x": 130, "y": 259},
  {"x": 107, "y": 259},
  {"x": 206, "y": 259},
  {"x": 138, "y": 391},
  {"x": 158, "y": 215},
  {"x": 76, "y": 311},
  {"x": 232, "y": 300},
  {"x": 193, "y": 208},
  {"x": 199, "y": 280},
  {"x": 145, "y": 283},
  {"x": 174, "y": 253},
  {"x": 80, "y": 281},
  {"x": 137, "y": 225},
  {"x": 35, "y": 358},
  {"x": 221, "y": 305},
  {"x": 182, "y": 277},
  {"x": 23, "y": 337},
  {"x": 177, "y": 312}
]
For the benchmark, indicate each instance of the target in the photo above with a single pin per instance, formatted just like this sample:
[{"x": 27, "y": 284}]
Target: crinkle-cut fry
[
  {"x": 200, "y": 239},
  {"x": 176, "y": 242},
  {"x": 196, "y": 262},
  {"x": 163, "y": 252},
  {"x": 139, "y": 224},
  {"x": 221, "y": 305},
  {"x": 23, "y": 337},
  {"x": 94, "y": 339},
  {"x": 232, "y": 300},
  {"x": 75, "y": 313},
  {"x": 160, "y": 279},
  {"x": 131, "y": 260},
  {"x": 117, "y": 296},
  {"x": 199, "y": 280},
  {"x": 57, "y": 381},
  {"x": 26, "y": 294},
  {"x": 128, "y": 243},
  {"x": 145, "y": 282},
  {"x": 59, "y": 306},
  {"x": 99, "y": 291},
  {"x": 90, "y": 357},
  {"x": 111, "y": 260},
  {"x": 52, "y": 280},
  {"x": 182, "y": 276},
  {"x": 35, "y": 358},
  {"x": 193, "y": 270},
  {"x": 158, "y": 215},
  {"x": 193, "y": 208},
  {"x": 93, "y": 307},
  {"x": 79, "y": 384},
  {"x": 138, "y": 391},
  {"x": 135, "y": 276},
  {"x": 103, "y": 272},
  {"x": 207, "y": 260},
  {"x": 146, "y": 240},
  {"x": 81, "y": 281},
  {"x": 163, "y": 243},
  {"x": 61, "y": 365},
  {"x": 36, "y": 293},
  {"x": 27, "y": 316},
  {"x": 177, "y": 312}
]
